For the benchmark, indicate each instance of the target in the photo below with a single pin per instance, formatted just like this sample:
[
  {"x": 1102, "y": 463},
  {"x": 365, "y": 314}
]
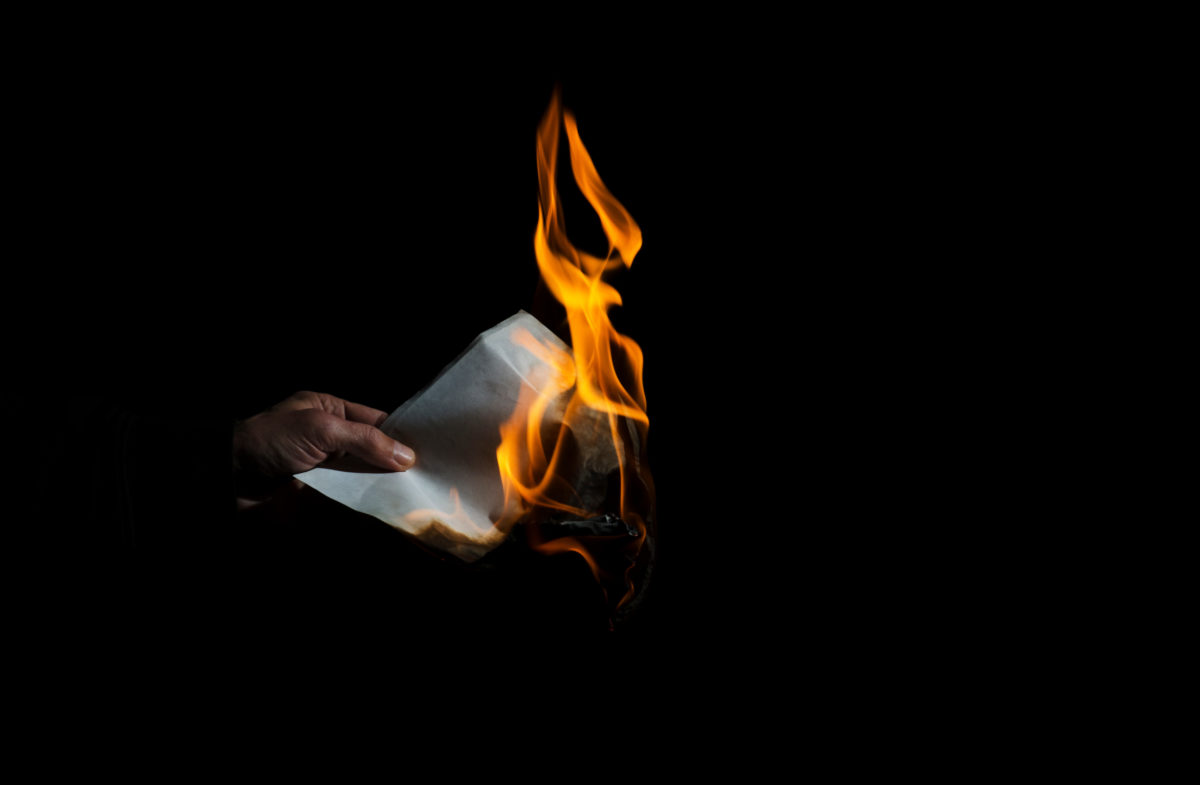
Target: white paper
[{"x": 453, "y": 496}]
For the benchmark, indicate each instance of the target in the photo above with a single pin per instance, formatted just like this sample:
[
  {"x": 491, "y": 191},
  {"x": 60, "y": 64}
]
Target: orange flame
[{"x": 604, "y": 405}]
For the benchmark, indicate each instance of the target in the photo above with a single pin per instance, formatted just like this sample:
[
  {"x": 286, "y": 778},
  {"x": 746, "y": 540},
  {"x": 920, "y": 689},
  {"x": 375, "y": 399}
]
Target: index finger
[{"x": 357, "y": 412}]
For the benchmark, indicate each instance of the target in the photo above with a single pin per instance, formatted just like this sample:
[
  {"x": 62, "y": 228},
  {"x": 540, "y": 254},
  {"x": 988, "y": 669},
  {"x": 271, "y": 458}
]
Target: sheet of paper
[{"x": 453, "y": 496}]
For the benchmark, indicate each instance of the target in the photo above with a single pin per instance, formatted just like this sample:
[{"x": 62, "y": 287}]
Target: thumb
[{"x": 370, "y": 444}]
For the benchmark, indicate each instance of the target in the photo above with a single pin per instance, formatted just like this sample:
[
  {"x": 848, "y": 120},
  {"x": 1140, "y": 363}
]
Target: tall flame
[{"x": 603, "y": 378}]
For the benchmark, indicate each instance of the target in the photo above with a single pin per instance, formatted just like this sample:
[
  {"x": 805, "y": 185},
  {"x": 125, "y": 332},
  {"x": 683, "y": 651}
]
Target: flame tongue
[{"x": 597, "y": 399}]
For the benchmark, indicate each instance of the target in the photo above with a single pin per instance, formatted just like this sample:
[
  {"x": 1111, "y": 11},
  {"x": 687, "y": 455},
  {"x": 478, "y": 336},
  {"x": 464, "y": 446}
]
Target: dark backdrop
[{"x": 210, "y": 234}]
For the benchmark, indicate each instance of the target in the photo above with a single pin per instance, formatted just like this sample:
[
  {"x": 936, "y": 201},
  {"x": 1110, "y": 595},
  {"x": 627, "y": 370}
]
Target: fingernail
[{"x": 403, "y": 455}]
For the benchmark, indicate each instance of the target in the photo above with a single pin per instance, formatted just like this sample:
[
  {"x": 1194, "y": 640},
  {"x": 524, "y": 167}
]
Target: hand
[{"x": 309, "y": 430}]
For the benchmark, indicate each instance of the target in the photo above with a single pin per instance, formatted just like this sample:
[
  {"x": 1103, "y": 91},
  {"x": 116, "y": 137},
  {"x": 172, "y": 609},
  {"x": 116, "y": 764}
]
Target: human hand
[{"x": 309, "y": 430}]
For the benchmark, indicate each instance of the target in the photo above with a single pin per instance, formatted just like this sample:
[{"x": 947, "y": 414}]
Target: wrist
[{"x": 249, "y": 482}]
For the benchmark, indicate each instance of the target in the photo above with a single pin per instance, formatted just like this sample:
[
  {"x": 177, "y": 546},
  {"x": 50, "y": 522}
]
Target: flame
[
  {"x": 602, "y": 382},
  {"x": 527, "y": 472}
]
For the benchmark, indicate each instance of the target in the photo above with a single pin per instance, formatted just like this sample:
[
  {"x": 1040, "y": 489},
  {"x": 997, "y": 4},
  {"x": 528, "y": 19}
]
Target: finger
[
  {"x": 368, "y": 443},
  {"x": 304, "y": 399},
  {"x": 332, "y": 404},
  {"x": 358, "y": 412}
]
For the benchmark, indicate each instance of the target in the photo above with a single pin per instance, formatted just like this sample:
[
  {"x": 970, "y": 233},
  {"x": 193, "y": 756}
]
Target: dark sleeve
[
  {"x": 118, "y": 523},
  {"x": 179, "y": 483},
  {"x": 107, "y": 479}
]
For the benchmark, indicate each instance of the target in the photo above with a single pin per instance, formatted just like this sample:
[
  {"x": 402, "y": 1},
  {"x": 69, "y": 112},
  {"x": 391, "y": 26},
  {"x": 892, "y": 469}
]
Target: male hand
[{"x": 309, "y": 430}]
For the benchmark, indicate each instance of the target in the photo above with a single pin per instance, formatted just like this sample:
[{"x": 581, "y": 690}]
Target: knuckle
[
  {"x": 316, "y": 423},
  {"x": 294, "y": 402},
  {"x": 306, "y": 397},
  {"x": 323, "y": 401},
  {"x": 363, "y": 434}
]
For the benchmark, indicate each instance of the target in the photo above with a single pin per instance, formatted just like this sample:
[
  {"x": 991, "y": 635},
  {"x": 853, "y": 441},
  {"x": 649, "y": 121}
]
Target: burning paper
[
  {"x": 454, "y": 498},
  {"x": 523, "y": 429}
]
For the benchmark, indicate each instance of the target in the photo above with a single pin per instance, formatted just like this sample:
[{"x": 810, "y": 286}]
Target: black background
[
  {"x": 855, "y": 234},
  {"x": 214, "y": 230},
  {"x": 213, "y": 234}
]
